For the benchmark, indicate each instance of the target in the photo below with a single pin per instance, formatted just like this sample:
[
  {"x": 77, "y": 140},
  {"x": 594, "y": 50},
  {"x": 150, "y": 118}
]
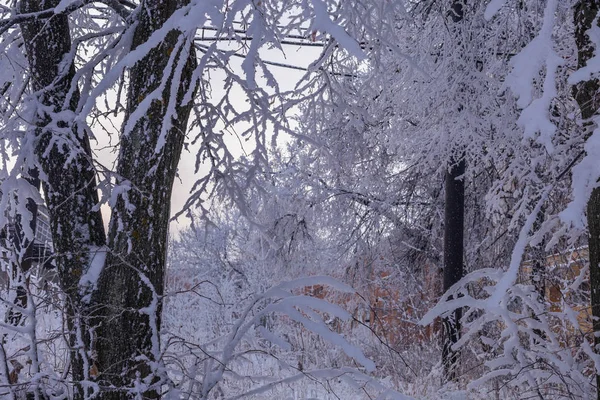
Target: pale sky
[{"x": 287, "y": 78}]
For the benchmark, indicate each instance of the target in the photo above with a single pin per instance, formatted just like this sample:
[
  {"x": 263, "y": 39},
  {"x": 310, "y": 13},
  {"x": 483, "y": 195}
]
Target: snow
[
  {"x": 492, "y": 8},
  {"x": 273, "y": 338},
  {"x": 62, "y": 6},
  {"x": 510, "y": 277},
  {"x": 89, "y": 279},
  {"x": 311, "y": 281},
  {"x": 538, "y": 55},
  {"x": 353, "y": 191},
  {"x": 592, "y": 67},
  {"x": 585, "y": 180},
  {"x": 322, "y": 22}
]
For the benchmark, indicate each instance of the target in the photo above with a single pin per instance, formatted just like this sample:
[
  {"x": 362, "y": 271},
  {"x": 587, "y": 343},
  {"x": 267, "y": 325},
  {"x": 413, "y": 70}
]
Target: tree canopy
[{"x": 438, "y": 159}]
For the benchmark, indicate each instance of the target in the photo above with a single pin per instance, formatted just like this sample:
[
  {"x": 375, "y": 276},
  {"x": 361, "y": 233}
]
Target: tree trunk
[
  {"x": 69, "y": 169},
  {"x": 127, "y": 302},
  {"x": 453, "y": 259},
  {"x": 454, "y": 220},
  {"x": 587, "y": 96},
  {"x": 130, "y": 287},
  {"x": 538, "y": 274},
  {"x": 593, "y": 217}
]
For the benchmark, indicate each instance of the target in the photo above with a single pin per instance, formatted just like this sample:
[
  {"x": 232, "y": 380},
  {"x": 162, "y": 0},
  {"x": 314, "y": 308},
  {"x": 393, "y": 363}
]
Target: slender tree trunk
[
  {"x": 538, "y": 273},
  {"x": 454, "y": 220},
  {"x": 453, "y": 259},
  {"x": 588, "y": 97},
  {"x": 130, "y": 288},
  {"x": 70, "y": 187},
  {"x": 593, "y": 216}
]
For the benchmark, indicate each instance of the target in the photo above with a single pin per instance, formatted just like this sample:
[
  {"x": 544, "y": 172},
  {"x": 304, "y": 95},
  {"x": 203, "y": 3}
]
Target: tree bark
[
  {"x": 127, "y": 303},
  {"x": 454, "y": 220},
  {"x": 130, "y": 287},
  {"x": 588, "y": 98},
  {"x": 70, "y": 187},
  {"x": 453, "y": 259}
]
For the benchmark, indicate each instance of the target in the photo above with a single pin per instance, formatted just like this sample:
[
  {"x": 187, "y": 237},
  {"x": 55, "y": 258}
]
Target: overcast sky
[{"x": 287, "y": 78}]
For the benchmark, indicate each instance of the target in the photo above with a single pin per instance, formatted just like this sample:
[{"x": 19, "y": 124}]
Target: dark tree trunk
[
  {"x": 587, "y": 96},
  {"x": 454, "y": 221},
  {"x": 453, "y": 258},
  {"x": 538, "y": 273},
  {"x": 130, "y": 287},
  {"x": 70, "y": 187},
  {"x": 593, "y": 217},
  {"x": 127, "y": 303}
]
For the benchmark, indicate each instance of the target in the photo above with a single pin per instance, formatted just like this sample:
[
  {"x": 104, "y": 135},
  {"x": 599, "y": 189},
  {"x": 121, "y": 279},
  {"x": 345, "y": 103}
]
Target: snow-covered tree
[
  {"x": 504, "y": 101},
  {"x": 72, "y": 68}
]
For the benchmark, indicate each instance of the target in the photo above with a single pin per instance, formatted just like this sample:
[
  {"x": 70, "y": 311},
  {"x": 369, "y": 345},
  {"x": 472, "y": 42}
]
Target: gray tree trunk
[
  {"x": 133, "y": 276},
  {"x": 454, "y": 221},
  {"x": 588, "y": 97},
  {"x": 454, "y": 217},
  {"x": 538, "y": 272},
  {"x": 69, "y": 170},
  {"x": 126, "y": 306}
]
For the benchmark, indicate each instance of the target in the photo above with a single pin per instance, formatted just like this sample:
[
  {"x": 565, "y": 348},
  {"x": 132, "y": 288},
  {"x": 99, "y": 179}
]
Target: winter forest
[{"x": 299, "y": 199}]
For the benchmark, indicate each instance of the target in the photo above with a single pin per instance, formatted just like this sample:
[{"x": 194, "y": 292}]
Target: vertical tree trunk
[
  {"x": 127, "y": 302},
  {"x": 593, "y": 217},
  {"x": 130, "y": 287},
  {"x": 538, "y": 273},
  {"x": 70, "y": 188},
  {"x": 453, "y": 259},
  {"x": 588, "y": 98},
  {"x": 454, "y": 215}
]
